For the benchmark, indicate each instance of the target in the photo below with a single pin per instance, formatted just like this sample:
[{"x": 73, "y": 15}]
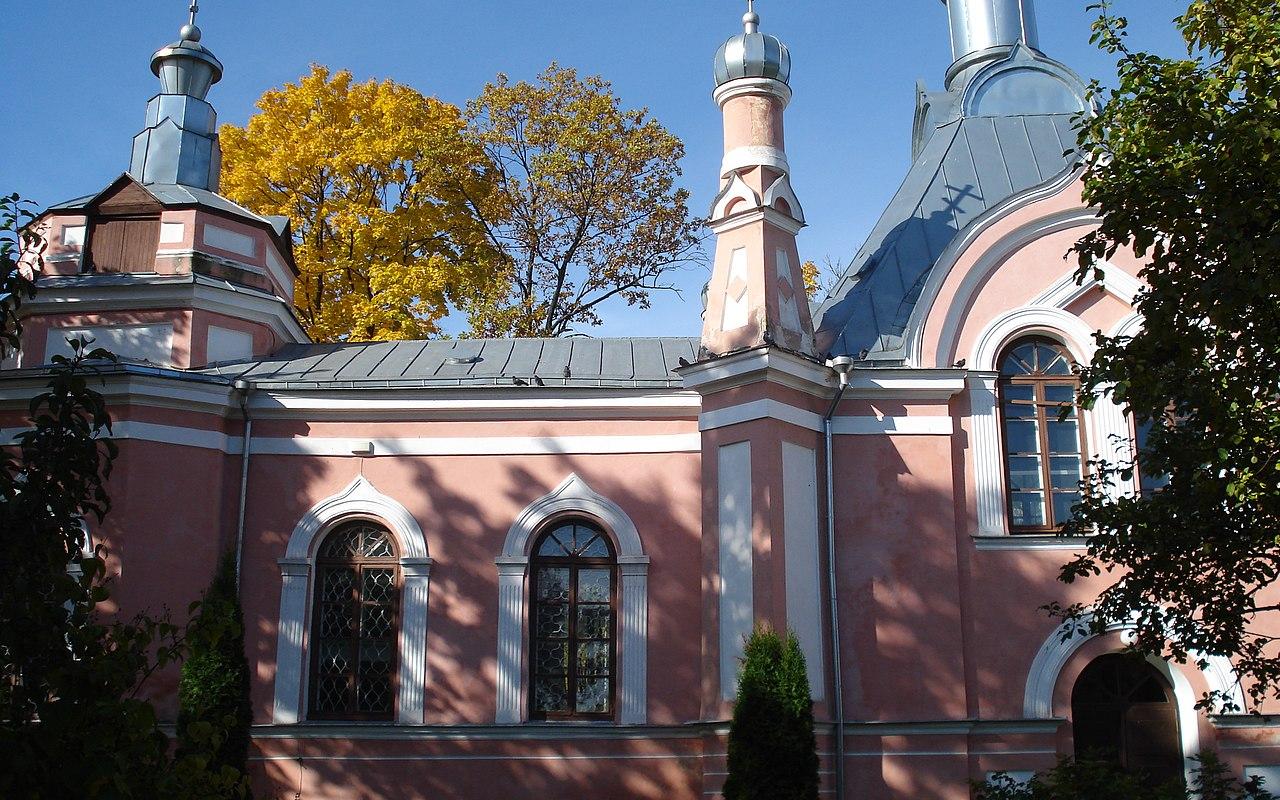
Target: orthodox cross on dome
[{"x": 191, "y": 32}]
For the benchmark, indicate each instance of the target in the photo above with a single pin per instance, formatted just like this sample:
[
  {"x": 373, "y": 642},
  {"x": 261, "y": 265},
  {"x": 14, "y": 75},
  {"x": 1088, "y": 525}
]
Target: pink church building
[{"x": 524, "y": 568}]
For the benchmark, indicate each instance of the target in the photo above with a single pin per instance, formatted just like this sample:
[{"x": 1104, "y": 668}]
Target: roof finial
[
  {"x": 189, "y": 31},
  {"x": 751, "y": 20}
]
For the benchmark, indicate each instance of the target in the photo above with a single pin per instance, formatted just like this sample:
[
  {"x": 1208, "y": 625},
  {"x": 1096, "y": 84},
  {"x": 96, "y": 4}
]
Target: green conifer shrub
[
  {"x": 213, "y": 694},
  {"x": 772, "y": 751}
]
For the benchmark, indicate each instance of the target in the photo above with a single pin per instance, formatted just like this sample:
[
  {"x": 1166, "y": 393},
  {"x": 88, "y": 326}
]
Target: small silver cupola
[
  {"x": 983, "y": 30},
  {"x": 186, "y": 66},
  {"x": 752, "y": 54},
  {"x": 180, "y": 142}
]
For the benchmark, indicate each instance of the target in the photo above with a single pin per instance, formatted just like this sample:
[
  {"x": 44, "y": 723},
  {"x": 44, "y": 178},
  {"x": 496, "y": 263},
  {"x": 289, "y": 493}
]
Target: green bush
[
  {"x": 213, "y": 695},
  {"x": 1101, "y": 780},
  {"x": 772, "y": 752}
]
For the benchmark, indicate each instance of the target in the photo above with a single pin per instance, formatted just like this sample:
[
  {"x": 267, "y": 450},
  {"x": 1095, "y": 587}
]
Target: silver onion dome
[
  {"x": 186, "y": 66},
  {"x": 752, "y": 54}
]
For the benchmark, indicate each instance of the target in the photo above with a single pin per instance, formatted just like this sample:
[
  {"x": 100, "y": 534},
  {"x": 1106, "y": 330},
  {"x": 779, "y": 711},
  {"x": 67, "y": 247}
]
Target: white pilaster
[
  {"x": 511, "y": 572},
  {"x": 634, "y": 635},
  {"x": 416, "y": 574},
  {"x": 804, "y": 579},
  {"x": 735, "y": 567},
  {"x": 988, "y": 459},
  {"x": 296, "y": 575}
]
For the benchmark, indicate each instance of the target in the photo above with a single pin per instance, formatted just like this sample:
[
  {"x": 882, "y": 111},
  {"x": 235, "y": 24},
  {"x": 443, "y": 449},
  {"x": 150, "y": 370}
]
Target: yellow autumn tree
[
  {"x": 378, "y": 182},
  {"x": 586, "y": 207}
]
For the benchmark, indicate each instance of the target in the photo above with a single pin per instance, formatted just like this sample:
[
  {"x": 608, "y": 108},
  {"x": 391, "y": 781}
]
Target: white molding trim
[
  {"x": 358, "y": 500},
  {"x": 1059, "y": 647},
  {"x": 462, "y": 403},
  {"x": 759, "y": 409},
  {"x": 991, "y": 258},
  {"x": 203, "y": 294},
  {"x": 740, "y": 86},
  {"x": 933, "y": 425},
  {"x": 762, "y": 214},
  {"x": 756, "y": 365},
  {"x": 376, "y": 446},
  {"x": 1106, "y": 427},
  {"x": 478, "y": 445},
  {"x": 573, "y": 495},
  {"x": 737, "y": 190},
  {"x": 1028, "y": 321},
  {"x": 1066, "y": 291},
  {"x": 754, "y": 155},
  {"x": 781, "y": 190}
]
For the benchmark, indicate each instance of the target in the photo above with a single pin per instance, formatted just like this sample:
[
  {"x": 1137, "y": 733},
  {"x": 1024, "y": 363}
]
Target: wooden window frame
[
  {"x": 573, "y": 563},
  {"x": 359, "y": 564},
  {"x": 1043, "y": 415}
]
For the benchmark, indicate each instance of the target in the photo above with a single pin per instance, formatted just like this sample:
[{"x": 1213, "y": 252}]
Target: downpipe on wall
[
  {"x": 243, "y": 388},
  {"x": 842, "y": 365}
]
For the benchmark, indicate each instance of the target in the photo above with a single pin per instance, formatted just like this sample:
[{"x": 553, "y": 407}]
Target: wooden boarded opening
[{"x": 124, "y": 229}]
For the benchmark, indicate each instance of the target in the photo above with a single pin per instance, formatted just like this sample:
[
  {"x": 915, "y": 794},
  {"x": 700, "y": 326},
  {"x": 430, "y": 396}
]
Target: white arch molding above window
[
  {"x": 1106, "y": 426},
  {"x": 573, "y": 496},
  {"x": 359, "y": 500}
]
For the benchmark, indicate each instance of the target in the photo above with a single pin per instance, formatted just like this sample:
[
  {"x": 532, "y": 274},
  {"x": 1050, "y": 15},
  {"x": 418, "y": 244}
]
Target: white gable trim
[
  {"x": 573, "y": 495},
  {"x": 736, "y": 190},
  {"x": 358, "y": 500}
]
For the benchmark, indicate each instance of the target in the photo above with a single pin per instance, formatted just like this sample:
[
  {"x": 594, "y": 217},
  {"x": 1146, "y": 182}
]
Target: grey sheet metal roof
[
  {"x": 172, "y": 194},
  {"x": 967, "y": 166},
  {"x": 442, "y": 363}
]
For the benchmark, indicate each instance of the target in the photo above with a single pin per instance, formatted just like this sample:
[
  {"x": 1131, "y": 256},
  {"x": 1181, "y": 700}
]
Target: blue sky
[{"x": 74, "y": 79}]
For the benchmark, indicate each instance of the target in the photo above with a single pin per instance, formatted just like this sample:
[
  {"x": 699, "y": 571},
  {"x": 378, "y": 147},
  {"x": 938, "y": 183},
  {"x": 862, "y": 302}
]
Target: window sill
[{"x": 1047, "y": 541}]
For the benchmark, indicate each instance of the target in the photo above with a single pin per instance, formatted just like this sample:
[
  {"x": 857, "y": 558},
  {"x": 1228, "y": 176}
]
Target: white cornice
[
  {"x": 756, "y": 365},
  {"x": 763, "y": 214},
  {"x": 213, "y": 296}
]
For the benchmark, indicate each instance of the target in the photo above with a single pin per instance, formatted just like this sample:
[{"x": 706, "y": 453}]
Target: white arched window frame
[
  {"x": 359, "y": 500},
  {"x": 1106, "y": 426},
  {"x": 572, "y": 496},
  {"x": 1060, "y": 645}
]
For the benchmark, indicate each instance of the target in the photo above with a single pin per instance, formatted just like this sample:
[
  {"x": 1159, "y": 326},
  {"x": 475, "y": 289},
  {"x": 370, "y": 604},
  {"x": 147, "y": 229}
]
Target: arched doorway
[{"x": 1123, "y": 710}]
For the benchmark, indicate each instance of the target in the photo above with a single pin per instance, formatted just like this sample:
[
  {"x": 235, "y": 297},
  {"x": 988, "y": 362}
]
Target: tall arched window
[
  {"x": 1043, "y": 437},
  {"x": 356, "y": 609},
  {"x": 1123, "y": 710},
  {"x": 572, "y": 624}
]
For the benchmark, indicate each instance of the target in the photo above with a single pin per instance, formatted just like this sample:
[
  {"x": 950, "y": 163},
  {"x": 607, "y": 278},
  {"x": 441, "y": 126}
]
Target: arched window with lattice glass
[
  {"x": 355, "y": 614},
  {"x": 573, "y": 624},
  {"x": 1043, "y": 435}
]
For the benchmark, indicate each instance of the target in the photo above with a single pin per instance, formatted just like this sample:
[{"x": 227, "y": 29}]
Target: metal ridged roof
[
  {"x": 172, "y": 194},
  {"x": 967, "y": 167},
  {"x": 439, "y": 363}
]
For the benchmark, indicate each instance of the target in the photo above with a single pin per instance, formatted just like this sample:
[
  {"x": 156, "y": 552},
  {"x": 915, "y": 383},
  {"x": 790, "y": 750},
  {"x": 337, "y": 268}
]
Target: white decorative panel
[
  {"x": 73, "y": 236},
  {"x": 227, "y": 239},
  {"x": 225, "y": 344},
  {"x": 788, "y": 311},
  {"x": 804, "y": 577},
  {"x": 152, "y": 343},
  {"x": 736, "y": 612},
  {"x": 172, "y": 232},
  {"x": 736, "y": 296}
]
